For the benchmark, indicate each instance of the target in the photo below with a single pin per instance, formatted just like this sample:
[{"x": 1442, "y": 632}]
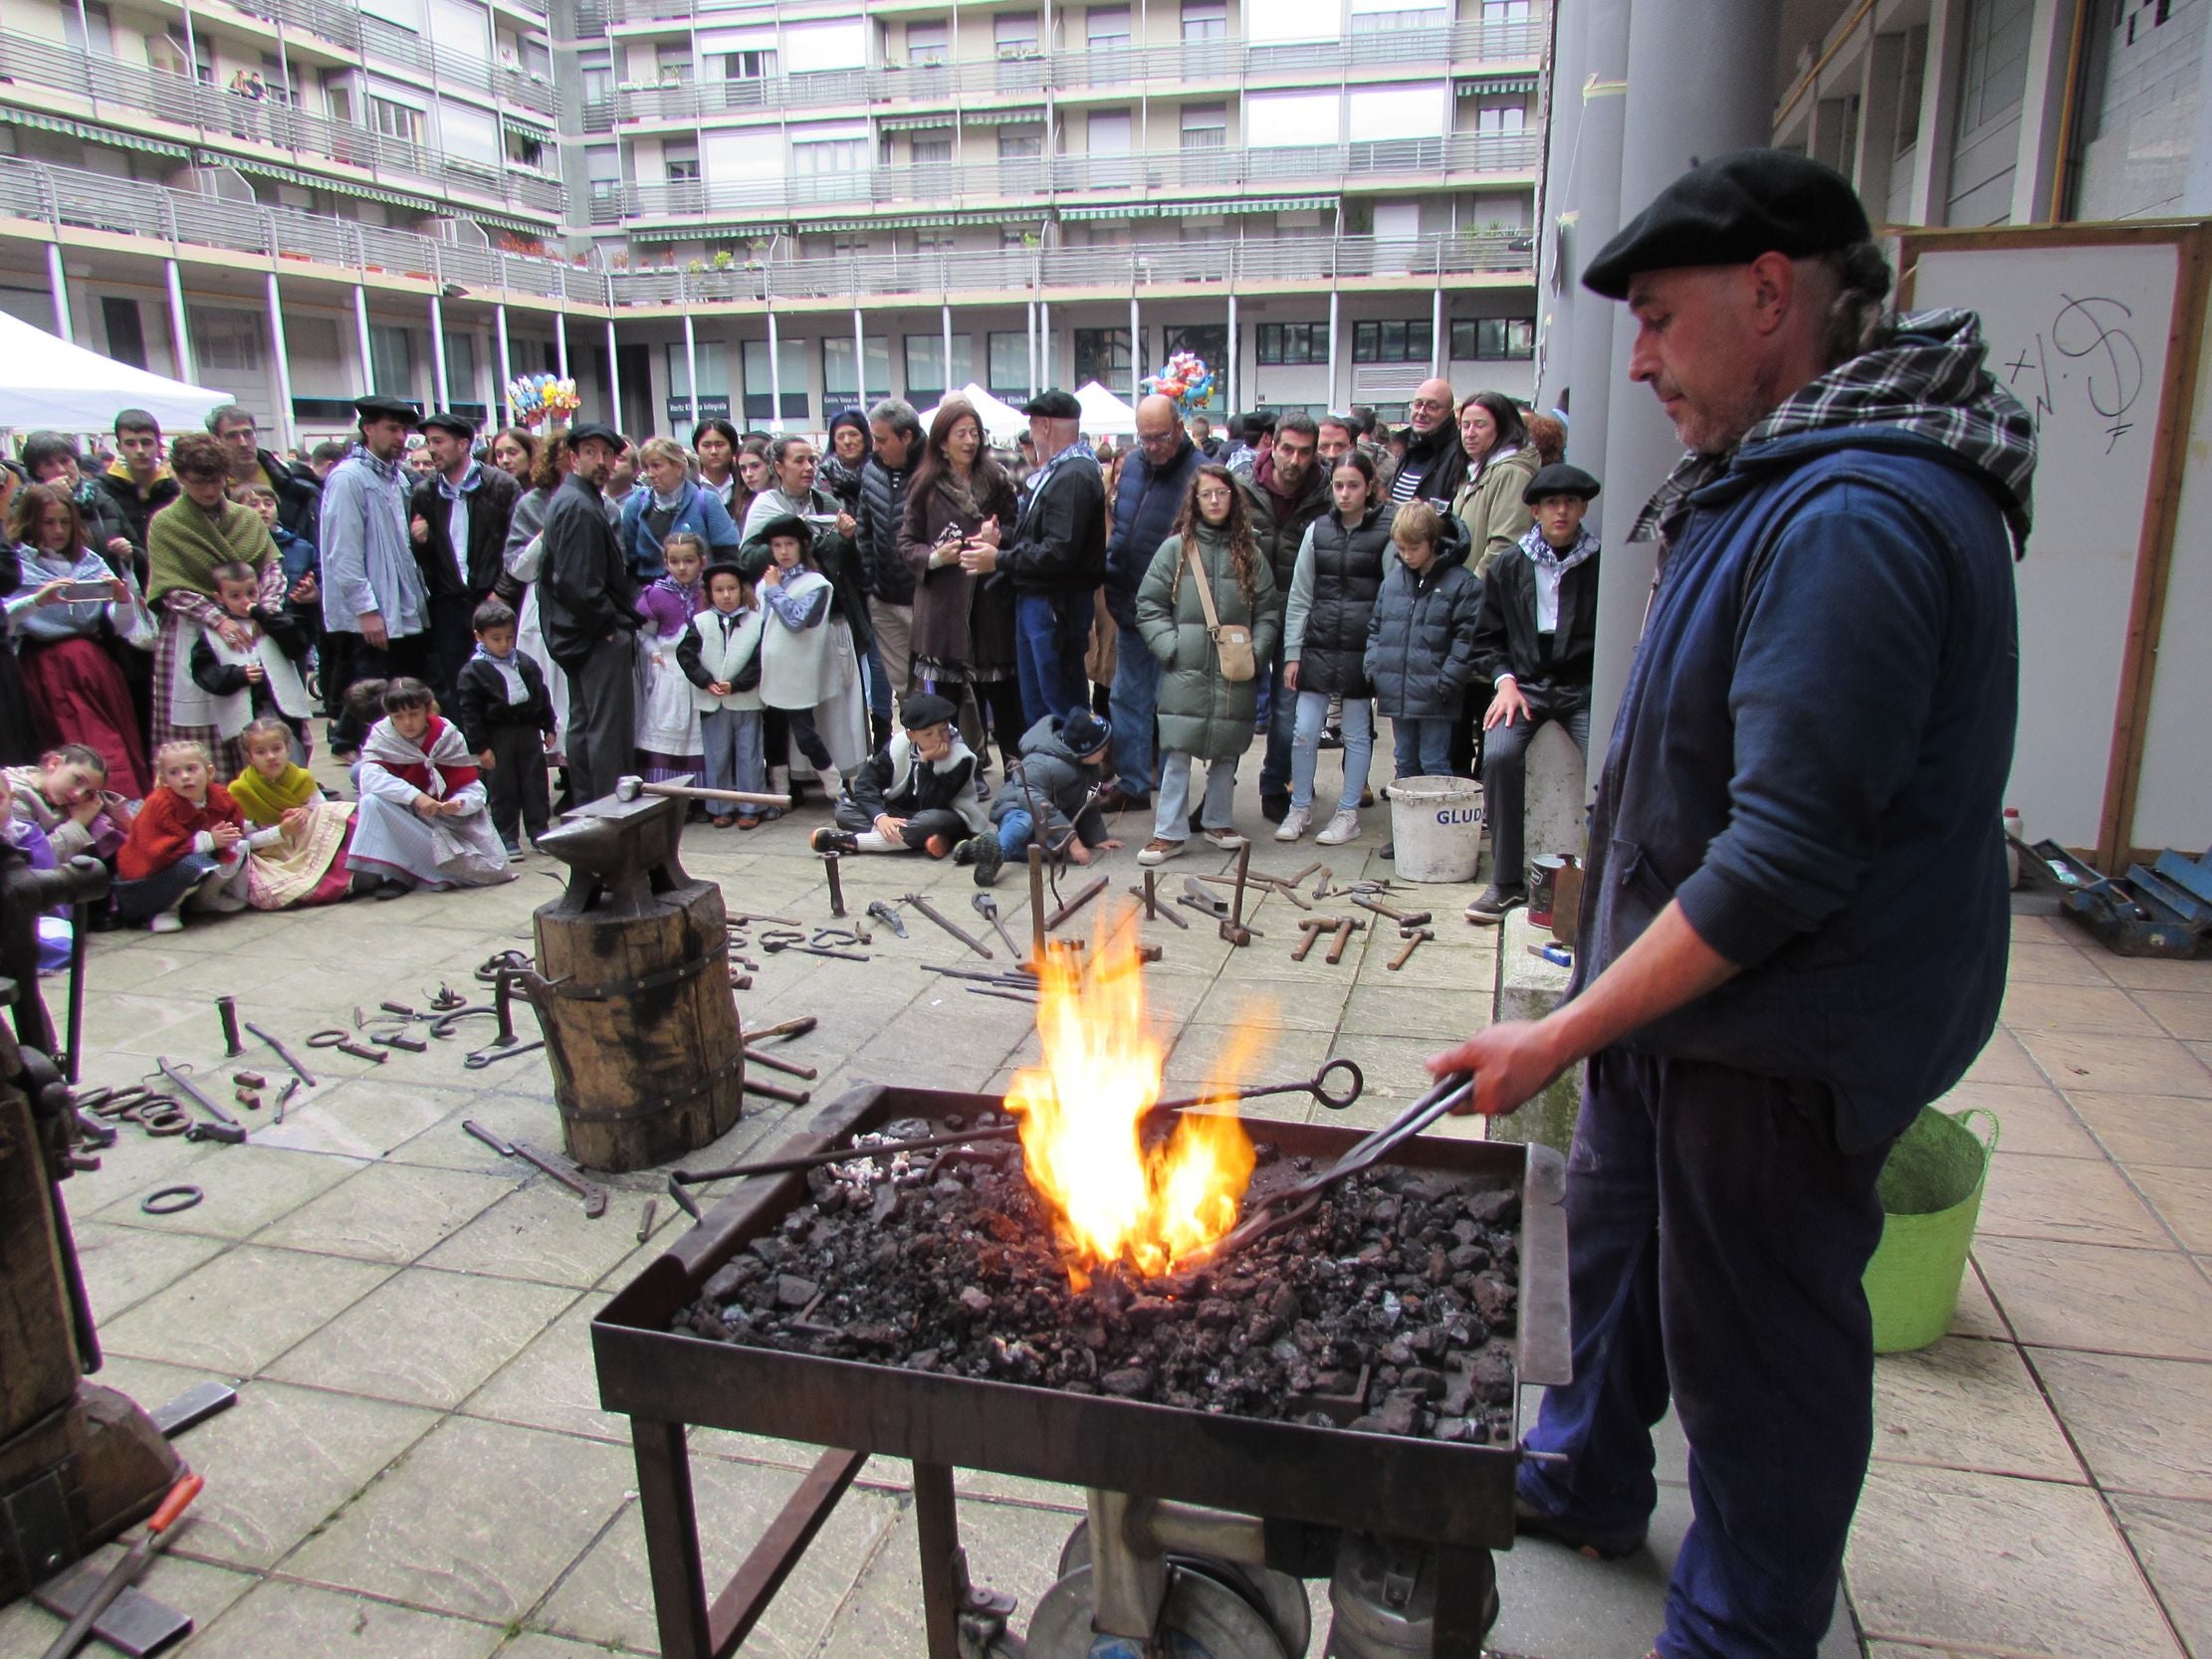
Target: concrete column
[
  {"x": 58, "y": 287},
  {"x": 1227, "y": 371},
  {"x": 1557, "y": 296},
  {"x": 1699, "y": 83},
  {"x": 1337, "y": 401},
  {"x": 180, "y": 330},
  {"x": 691, "y": 365},
  {"x": 613, "y": 415},
  {"x": 360, "y": 340},
  {"x": 1932, "y": 156},
  {"x": 560, "y": 345},
  {"x": 1879, "y": 86},
  {"x": 2043, "y": 110},
  {"x": 1594, "y": 203},
  {"x": 776, "y": 375},
  {"x": 1438, "y": 345},
  {"x": 506, "y": 366},
  {"x": 441, "y": 388},
  {"x": 1136, "y": 352},
  {"x": 859, "y": 362},
  {"x": 1030, "y": 335},
  {"x": 1046, "y": 366},
  {"x": 286, "y": 427},
  {"x": 944, "y": 330}
]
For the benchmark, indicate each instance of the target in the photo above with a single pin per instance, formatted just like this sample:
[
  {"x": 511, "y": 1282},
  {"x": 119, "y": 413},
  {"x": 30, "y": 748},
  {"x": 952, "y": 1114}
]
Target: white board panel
[
  {"x": 823, "y": 45},
  {"x": 1293, "y": 20},
  {"x": 1273, "y": 119},
  {"x": 1421, "y": 111},
  {"x": 2080, "y": 336}
]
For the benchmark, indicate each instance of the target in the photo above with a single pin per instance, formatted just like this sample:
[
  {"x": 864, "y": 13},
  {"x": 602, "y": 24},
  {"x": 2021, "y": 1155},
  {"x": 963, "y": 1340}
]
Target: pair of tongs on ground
[{"x": 1281, "y": 1208}]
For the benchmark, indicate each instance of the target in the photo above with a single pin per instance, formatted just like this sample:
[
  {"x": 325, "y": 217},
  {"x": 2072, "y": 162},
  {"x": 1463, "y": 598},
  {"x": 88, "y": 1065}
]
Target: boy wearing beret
[
  {"x": 1535, "y": 640},
  {"x": 915, "y": 794}
]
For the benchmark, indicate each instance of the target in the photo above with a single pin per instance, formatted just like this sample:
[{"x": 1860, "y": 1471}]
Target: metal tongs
[{"x": 1281, "y": 1208}]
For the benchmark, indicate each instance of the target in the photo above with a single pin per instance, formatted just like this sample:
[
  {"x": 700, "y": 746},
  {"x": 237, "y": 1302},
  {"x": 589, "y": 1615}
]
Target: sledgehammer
[{"x": 629, "y": 788}]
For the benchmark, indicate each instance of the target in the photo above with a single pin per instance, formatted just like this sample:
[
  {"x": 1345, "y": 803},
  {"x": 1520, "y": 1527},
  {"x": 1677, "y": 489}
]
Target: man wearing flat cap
[
  {"x": 1055, "y": 557},
  {"x": 375, "y": 608},
  {"x": 1535, "y": 641},
  {"x": 588, "y": 604},
  {"x": 1794, "y": 921},
  {"x": 457, "y": 518}
]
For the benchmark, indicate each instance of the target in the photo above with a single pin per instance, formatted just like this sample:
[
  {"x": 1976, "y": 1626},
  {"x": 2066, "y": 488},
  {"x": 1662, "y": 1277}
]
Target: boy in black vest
[
  {"x": 507, "y": 719},
  {"x": 1535, "y": 638}
]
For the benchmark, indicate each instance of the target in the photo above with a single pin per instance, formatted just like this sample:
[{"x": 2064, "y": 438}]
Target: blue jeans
[
  {"x": 1305, "y": 754},
  {"x": 1746, "y": 1307},
  {"x": 1015, "y": 831},
  {"x": 1136, "y": 703},
  {"x": 1050, "y": 631},
  {"x": 1172, "y": 807},
  {"x": 879, "y": 683},
  {"x": 736, "y": 756},
  {"x": 1423, "y": 746},
  {"x": 1283, "y": 719}
]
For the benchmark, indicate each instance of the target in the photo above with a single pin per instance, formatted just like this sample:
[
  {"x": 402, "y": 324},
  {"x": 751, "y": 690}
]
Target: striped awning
[
  {"x": 1482, "y": 86},
  {"x": 941, "y": 123},
  {"x": 90, "y": 133},
  {"x": 313, "y": 181},
  {"x": 1021, "y": 116},
  {"x": 1241, "y": 204},
  {"x": 926, "y": 221}
]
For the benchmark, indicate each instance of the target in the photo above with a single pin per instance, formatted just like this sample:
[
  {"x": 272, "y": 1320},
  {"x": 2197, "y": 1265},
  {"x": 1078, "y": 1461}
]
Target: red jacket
[{"x": 165, "y": 829}]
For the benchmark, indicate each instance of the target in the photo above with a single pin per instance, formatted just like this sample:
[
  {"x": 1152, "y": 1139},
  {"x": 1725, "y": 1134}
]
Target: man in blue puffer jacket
[
  {"x": 1795, "y": 922},
  {"x": 1154, "y": 482}
]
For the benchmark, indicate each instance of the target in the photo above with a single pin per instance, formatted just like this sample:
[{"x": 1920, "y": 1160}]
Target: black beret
[
  {"x": 1560, "y": 478},
  {"x": 1729, "y": 211},
  {"x": 585, "y": 431},
  {"x": 1054, "y": 405},
  {"x": 786, "y": 523},
  {"x": 443, "y": 420},
  {"x": 724, "y": 567},
  {"x": 925, "y": 708},
  {"x": 384, "y": 409}
]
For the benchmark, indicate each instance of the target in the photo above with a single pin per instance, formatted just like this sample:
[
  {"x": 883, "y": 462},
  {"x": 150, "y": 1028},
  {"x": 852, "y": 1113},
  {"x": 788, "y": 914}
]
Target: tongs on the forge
[{"x": 1281, "y": 1208}]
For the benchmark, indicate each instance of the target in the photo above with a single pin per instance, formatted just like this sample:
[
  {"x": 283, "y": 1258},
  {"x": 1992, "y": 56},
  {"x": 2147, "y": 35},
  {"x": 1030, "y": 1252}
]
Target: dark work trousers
[
  {"x": 931, "y": 820},
  {"x": 602, "y": 718},
  {"x": 1715, "y": 1241},
  {"x": 806, "y": 737},
  {"x": 515, "y": 791},
  {"x": 1505, "y": 779},
  {"x": 408, "y": 656},
  {"x": 1468, "y": 736},
  {"x": 451, "y": 641}
]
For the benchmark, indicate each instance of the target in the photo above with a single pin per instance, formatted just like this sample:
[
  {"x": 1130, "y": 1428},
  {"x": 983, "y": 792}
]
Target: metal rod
[
  {"x": 1037, "y": 929},
  {"x": 776, "y": 1091},
  {"x": 934, "y": 914},
  {"x": 1083, "y": 897},
  {"x": 1165, "y": 912},
  {"x": 836, "y": 884},
  {"x": 226, "y": 1009},
  {"x": 282, "y": 1053}
]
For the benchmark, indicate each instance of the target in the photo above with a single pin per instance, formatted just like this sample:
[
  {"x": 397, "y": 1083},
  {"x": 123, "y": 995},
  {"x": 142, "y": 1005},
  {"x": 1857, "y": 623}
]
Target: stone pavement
[{"x": 417, "y": 1468}]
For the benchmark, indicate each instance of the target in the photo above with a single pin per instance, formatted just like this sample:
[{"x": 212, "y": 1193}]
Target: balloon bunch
[
  {"x": 539, "y": 398},
  {"x": 1187, "y": 379}
]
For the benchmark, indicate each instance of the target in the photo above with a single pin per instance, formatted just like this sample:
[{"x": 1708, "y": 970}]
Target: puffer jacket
[
  {"x": 1492, "y": 510},
  {"x": 1201, "y": 713},
  {"x": 1348, "y": 569},
  {"x": 1051, "y": 784},
  {"x": 881, "y": 510},
  {"x": 1421, "y": 640},
  {"x": 1146, "y": 502},
  {"x": 1278, "y": 528}
]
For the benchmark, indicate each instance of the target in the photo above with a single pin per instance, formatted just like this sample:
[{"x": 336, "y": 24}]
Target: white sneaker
[
  {"x": 1293, "y": 824},
  {"x": 1344, "y": 826},
  {"x": 1159, "y": 850},
  {"x": 168, "y": 921},
  {"x": 1227, "y": 840}
]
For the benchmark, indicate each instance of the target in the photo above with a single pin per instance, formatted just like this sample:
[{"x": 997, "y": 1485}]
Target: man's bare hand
[
  {"x": 374, "y": 630},
  {"x": 1511, "y": 1064},
  {"x": 890, "y": 828},
  {"x": 1506, "y": 705}
]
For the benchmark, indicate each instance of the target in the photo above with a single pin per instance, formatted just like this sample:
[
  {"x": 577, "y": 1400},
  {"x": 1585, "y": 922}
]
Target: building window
[
  {"x": 460, "y": 367},
  {"x": 672, "y": 59},
  {"x": 1392, "y": 342},
  {"x": 1208, "y": 341},
  {"x": 1016, "y": 34},
  {"x": 837, "y": 386},
  {"x": 391, "y": 359},
  {"x": 1205, "y": 20},
  {"x": 1102, "y": 354},
  {"x": 746, "y": 66},
  {"x": 926, "y": 46},
  {"x": 1205, "y": 125},
  {"x": 395, "y": 119},
  {"x": 1495, "y": 338},
  {"x": 1285, "y": 344},
  {"x": 1010, "y": 363},
  {"x": 924, "y": 364},
  {"x": 934, "y": 147},
  {"x": 226, "y": 341},
  {"x": 1021, "y": 143},
  {"x": 829, "y": 156},
  {"x": 681, "y": 159},
  {"x": 1107, "y": 28}
]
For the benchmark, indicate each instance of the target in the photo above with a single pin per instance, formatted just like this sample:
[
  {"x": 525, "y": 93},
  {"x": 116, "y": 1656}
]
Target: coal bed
[{"x": 1389, "y": 1308}]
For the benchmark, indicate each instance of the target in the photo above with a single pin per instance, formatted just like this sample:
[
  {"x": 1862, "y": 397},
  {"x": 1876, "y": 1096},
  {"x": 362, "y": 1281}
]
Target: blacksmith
[{"x": 1795, "y": 922}]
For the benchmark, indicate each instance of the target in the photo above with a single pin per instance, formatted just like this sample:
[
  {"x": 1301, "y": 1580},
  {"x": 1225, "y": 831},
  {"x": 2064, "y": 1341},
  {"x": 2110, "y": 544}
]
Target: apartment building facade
[{"x": 773, "y": 209}]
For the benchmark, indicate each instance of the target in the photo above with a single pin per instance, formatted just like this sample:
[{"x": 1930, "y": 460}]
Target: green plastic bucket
[{"x": 1931, "y": 1192}]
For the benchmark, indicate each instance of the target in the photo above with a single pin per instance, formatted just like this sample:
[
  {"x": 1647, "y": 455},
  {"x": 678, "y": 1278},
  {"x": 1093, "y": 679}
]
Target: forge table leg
[
  {"x": 943, "y": 1579},
  {"x": 1466, "y": 1601},
  {"x": 670, "y": 1538}
]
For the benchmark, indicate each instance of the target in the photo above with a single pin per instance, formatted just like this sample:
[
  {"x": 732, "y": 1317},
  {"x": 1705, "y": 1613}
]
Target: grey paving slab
[
  {"x": 277, "y": 1617},
  {"x": 426, "y": 1337},
  {"x": 241, "y": 1310}
]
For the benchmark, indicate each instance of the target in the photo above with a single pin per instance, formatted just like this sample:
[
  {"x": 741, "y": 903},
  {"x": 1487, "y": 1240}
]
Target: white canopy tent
[
  {"x": 1104, "y": 414},
  {"x": 45, "y": 382},
  {"x": 1002, "y": 423}
]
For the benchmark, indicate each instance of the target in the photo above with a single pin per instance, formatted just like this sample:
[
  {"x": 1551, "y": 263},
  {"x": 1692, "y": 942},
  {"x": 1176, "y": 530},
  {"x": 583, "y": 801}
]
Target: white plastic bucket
[{"x": 1436, "y": 823}]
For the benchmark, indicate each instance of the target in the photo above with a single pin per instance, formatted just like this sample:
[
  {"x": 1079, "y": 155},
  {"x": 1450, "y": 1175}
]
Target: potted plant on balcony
[{"x": 723, "y": 260}]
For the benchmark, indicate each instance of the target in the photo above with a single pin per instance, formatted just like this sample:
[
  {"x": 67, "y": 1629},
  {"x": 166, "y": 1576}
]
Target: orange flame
[{"x": 1082, "y": 1112}]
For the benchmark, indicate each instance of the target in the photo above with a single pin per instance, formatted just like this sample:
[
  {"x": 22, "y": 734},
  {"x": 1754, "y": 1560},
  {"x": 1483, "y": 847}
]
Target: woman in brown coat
[{"x": 962, "y": 625}]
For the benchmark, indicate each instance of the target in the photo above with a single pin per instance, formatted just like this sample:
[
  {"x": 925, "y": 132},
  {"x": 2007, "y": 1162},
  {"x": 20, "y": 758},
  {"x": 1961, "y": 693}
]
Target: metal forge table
[{"x": 1309, "y": 1485}]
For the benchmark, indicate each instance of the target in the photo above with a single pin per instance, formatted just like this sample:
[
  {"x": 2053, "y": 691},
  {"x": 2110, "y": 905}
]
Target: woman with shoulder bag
[{"x": 1209, "y": 613}]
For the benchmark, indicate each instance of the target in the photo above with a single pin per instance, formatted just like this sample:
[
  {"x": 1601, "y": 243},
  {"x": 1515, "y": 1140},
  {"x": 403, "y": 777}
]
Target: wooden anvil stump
[{"x": 632, "y": 990}]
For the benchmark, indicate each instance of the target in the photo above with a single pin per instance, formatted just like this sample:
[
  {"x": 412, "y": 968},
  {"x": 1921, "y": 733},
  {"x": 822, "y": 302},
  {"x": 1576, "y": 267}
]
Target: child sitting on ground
[
  {"x": 64, "y": 795},
  {"x": 187, "y": 846},
  {"x": 668, "y": 741},
  {"x": 507, "y": 722},
  {"x": 1050, "y": 795},
  {"x": 238, "y": 687},
  {"x": 56, "y": 926},
  {"x": 421, "y": 820},
  {"x": 720, "y": 655},
  {"x": 303, "y": 862},
  {"x": 915, "y": 794}
]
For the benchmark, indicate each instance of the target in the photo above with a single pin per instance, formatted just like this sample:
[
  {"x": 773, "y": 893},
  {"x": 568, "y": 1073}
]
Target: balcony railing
[
  {"x": 114, "y": 89},
  {"x": 392, "y": 46},
  {"x": 1179, "y": 63},
  {"x": 1140, "y": 176},
  {"x": 339, "y": 24}
]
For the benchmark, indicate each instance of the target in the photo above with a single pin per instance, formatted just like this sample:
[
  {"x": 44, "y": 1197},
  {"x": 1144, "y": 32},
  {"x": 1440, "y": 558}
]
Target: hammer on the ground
[
  {"x": 1404, "y": 918},
  {"x": 1311, "y": 928},
  {"x": 1413, "y": 944},
  {"x": 629, "y": 788},
  {"x": 1346, "y": 926},
  {"x": 836, "y": 884},
  {"x": 1234, "y": 929}
]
